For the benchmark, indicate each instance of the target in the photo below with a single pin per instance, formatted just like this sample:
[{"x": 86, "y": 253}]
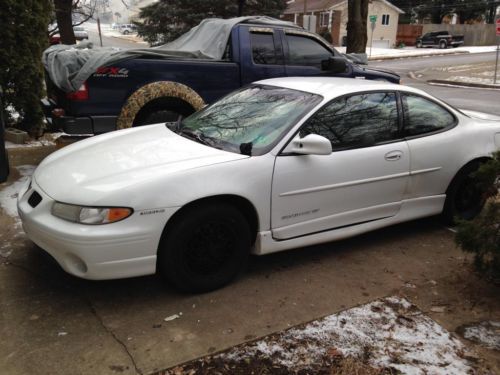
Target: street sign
[{"x": 373, "y": 19}]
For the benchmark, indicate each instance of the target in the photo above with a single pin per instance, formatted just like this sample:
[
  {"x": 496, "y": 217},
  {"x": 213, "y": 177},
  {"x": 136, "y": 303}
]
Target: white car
[{"x": 279, "y": 164}]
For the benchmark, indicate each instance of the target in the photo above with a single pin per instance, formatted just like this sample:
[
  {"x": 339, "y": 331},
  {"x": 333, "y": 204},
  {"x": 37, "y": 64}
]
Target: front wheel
[
  {"x": 443, "y": 45},
  {"x": 464, "y": 198},
  {"x": 205, "y": 248},
  {"x": 419, "y": 44}
]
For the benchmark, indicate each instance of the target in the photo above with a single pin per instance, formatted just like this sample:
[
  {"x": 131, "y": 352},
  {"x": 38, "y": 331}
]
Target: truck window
[
  {"x": 263, "y": 50},
  {"x": 306, "y": 51}
]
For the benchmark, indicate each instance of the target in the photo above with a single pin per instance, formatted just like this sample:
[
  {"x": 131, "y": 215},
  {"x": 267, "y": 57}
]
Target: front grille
[{"x": 35, "y": 199}]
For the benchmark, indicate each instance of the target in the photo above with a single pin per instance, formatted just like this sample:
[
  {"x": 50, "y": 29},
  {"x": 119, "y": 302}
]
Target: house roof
[{"x": 297, "y": 6}]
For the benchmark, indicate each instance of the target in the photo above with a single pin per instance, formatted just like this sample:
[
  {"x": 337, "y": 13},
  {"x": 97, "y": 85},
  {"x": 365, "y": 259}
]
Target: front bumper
[
  {"x": 124, "y": 249},
  {"x": 78, "y": 125}
]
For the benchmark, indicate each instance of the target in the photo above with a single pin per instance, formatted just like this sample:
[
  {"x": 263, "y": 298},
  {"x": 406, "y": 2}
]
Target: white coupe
[{"x": 279, "y": 164}]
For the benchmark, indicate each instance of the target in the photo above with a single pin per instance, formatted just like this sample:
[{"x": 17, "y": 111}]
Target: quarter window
[
  {"x": 424, "y": 116},
  {"x": 306, "y": 51},
  {"x": 357, "y": 121},
  {"x": 263, "y": 51}
]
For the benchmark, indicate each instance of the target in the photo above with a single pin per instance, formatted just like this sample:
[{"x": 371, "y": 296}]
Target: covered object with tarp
[{"x": 69, "y": 67}]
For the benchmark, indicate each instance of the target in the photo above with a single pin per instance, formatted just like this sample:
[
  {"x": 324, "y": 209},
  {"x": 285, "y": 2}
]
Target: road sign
[{"x": 373, "y": 19}]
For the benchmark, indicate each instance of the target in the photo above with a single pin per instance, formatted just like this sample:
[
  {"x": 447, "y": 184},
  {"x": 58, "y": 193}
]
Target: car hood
[
  {"x": 100, "y": 166},
  {"x": 481, "y": 115}
]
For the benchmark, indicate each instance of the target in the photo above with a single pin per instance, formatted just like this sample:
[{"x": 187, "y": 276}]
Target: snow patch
[
  {"x": 8, "y": 194},
  {"x": 485, "y": 333},
  {"x": 388, "y": 333}
]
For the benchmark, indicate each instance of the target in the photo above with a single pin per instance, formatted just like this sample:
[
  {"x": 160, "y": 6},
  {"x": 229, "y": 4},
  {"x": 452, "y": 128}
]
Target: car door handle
[{"x": 393, "y": 155}]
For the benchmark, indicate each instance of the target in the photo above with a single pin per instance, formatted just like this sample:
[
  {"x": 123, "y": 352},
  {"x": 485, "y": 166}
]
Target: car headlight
[{"x": 90, "y": 215}]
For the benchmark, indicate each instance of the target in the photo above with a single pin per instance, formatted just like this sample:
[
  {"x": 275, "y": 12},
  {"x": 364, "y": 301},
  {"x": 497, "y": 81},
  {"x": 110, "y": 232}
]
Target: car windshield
[{"x": 249, "y": 121}]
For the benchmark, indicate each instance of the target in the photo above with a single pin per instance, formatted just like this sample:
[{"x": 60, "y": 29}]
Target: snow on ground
[
  {"x": 486, "y": 334},
  {"x": 8, "y": 194},
  {"x": 414, "y": 52},
  {"x": 48, "y": 139},
  {"x": 388, "y": 333}
]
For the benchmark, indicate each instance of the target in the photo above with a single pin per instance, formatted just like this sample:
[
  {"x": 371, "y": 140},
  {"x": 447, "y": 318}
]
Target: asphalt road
[
  {"x": 112, "y": 41},
  {"x": 483, "y": 100}
]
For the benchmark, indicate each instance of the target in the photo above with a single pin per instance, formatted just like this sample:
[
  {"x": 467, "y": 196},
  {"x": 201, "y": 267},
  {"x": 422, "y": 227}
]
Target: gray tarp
[{"x": 69, "y": 66}]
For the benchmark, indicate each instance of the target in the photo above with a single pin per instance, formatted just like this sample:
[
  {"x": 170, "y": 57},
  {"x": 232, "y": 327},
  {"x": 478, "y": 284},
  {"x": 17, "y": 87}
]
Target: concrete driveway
[{"x": 53, "y": 323}]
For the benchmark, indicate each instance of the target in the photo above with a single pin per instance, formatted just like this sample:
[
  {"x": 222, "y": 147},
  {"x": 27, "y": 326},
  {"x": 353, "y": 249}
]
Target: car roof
[{"x": 332, "y": 87}]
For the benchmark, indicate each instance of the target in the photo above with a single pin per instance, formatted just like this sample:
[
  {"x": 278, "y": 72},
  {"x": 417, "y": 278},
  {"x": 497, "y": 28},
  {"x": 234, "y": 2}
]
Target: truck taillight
[{"x": 81, "y": 94}]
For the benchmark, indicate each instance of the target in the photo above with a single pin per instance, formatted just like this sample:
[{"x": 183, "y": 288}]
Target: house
[{"x": 330, "y": 20}]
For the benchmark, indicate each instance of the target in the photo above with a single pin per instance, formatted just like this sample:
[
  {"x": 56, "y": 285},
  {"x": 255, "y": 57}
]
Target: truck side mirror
[{"x": 334, "y": 65}]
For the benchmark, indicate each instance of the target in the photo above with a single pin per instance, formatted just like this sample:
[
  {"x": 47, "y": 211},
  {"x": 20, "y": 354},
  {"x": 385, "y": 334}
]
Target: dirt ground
[{"x": 52, "y": 323}]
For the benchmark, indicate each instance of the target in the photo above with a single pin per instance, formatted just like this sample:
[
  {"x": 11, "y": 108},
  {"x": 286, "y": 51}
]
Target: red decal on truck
[{"x": 112, "y": 72}]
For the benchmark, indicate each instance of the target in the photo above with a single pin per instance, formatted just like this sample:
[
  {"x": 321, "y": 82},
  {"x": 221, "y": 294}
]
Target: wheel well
[
  {"x": 480, "y": 160},
  {"x": 242, "y": 204},
  {"x": 163, "y": 104}
]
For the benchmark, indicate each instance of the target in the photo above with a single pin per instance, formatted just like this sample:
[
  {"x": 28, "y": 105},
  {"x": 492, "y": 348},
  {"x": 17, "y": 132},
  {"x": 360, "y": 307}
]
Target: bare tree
[
  {"x": 357, "y": 11},
  {"x": 70, "y": 13}
]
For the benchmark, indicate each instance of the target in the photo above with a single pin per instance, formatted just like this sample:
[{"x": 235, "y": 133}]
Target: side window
[
  {"x": 306, "y": 51},
  {"x": 385, "y": 19},
  {"x": 356, "y": 121},
  {"x": 424, "y": 116},
  {"x": 263, "y": 51}
]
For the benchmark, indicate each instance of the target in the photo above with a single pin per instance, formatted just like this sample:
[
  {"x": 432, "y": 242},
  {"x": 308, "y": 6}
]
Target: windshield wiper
[{"x": 199, "y": 137}]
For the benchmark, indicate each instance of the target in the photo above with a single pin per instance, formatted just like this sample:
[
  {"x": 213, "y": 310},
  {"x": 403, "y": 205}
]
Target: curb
[
  {"x": 443, "y": 82},
  {"x": 395, "y": 57}
]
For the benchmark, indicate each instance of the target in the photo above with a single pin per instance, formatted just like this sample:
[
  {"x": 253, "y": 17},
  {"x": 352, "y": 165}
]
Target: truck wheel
[
  {"x": 170, "y": 118},
  {"x": 158, "y": 96},
  {"x": 205, "y": 248},
  {"x": 419, "y": 44},
  {"x": 443, "y": 44}
]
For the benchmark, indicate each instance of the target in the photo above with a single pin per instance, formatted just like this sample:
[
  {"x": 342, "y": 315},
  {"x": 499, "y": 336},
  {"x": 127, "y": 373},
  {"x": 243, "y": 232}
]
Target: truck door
[{"x": 261, "y": 54}]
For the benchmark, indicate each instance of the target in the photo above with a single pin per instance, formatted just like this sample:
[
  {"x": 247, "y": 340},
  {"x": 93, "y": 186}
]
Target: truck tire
[
  {"x": 443, "y": 44},
  {"x": 170, "y": 118},
  {"x": 419, "y": 44},
  {"x": 136, "y": 105}
]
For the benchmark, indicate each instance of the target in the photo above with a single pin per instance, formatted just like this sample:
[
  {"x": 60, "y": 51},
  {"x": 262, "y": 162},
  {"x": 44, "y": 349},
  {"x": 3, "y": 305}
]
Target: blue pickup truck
[{"x": 150, "y": 89}]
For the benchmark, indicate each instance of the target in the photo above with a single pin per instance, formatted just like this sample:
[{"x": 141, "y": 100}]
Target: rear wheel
[
  {"x": 419, "y": 44},
  {"x": 443, "y": 44},
  {"x": 205, "y": 248},
  {"x": 464, "y": 198}
]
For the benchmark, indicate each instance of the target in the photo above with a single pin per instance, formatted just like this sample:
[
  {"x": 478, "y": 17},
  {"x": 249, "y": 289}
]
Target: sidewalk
[{"x": 397, "y": 53}]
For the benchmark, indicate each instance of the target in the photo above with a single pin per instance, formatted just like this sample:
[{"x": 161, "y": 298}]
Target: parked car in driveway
[
  {"x": 128, "y": 28},
  {"x": 80, "y": 33},
  {"x": 441, "y": 39},
  {"x": 276, "y": 165}
]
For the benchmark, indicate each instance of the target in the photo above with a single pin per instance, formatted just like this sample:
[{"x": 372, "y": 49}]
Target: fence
[{"x": 474, "y": 35}]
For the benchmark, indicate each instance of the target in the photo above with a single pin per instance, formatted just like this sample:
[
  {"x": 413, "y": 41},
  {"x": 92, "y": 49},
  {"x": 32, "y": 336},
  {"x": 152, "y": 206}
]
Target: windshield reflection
[{"x": 249, "y": 121}]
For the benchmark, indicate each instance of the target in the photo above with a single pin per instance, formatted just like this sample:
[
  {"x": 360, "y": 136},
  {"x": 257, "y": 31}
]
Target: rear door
[{"x": 261, "y": 54}]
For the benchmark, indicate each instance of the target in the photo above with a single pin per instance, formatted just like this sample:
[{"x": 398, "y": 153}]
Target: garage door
[{"x": 384, "y": 43}]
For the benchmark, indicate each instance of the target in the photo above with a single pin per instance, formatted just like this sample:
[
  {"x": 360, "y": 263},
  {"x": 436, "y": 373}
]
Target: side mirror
[
  {"x": 334, "y": 64},
  {"x": 312, "y": 144}
]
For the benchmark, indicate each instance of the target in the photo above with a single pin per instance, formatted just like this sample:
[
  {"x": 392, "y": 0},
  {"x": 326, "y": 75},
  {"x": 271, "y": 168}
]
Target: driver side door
[{"x": 362, "y": 180}]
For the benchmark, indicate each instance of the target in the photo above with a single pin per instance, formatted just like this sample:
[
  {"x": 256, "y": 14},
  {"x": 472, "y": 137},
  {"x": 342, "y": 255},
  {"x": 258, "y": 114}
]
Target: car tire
[
  {"x": 125, "y": 32},
  {"x": 419, "y": 45},
  {"x": 464, "y": 199},
  {"x": 205, "y": 248},
  {"x": 443, "y": 44}
]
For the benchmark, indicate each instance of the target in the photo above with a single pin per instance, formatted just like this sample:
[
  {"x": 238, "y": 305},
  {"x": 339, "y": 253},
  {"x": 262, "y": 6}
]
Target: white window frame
[
  {"x": 386, "y": 19},
  {"x": 324, "y": 16}
]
